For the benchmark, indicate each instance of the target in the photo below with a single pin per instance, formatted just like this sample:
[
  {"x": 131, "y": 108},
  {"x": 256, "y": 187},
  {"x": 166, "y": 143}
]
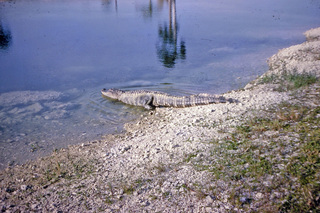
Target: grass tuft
[{"x": 289, "y": 81}]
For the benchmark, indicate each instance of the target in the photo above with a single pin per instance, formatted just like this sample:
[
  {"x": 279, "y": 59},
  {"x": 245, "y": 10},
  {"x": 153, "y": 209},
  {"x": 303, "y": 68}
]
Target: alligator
[{"x": 152, "y": 99}]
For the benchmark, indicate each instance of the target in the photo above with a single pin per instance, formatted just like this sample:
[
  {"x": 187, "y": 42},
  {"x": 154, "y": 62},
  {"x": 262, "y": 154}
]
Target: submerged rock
[{"x": 25, "y": 97}]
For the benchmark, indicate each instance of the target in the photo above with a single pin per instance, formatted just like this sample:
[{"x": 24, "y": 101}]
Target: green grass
[
  {"x": 267, "y": 79},
  {"x": 189, "y": 157},
  {"x": 290, "y": 81},
  {"x": 301, "y": 80}
]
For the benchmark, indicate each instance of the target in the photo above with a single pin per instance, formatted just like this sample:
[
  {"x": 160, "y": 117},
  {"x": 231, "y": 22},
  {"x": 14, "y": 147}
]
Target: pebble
[
  {"x": 34, "y": 206},
  {"x": 208, "y": 209},
  {"x": 259, "y": 195},
  {"x": 210, "y": 199},
  {"x": 23, "y": 187},
  {"x": 10, "y": 140},
  {"x": 244, "y": 200}
]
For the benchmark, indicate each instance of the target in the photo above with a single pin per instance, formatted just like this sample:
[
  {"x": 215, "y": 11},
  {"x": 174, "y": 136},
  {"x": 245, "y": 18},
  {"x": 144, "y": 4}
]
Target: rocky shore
[{"x": 260, "y": 153}]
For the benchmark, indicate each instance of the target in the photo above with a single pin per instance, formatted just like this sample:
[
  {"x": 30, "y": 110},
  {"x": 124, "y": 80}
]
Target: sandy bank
[{"x": 200, "y": 159}]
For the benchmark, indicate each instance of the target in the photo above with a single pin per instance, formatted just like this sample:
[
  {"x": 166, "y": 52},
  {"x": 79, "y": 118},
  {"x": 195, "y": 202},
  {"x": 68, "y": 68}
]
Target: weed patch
[{"x": 289, "y": 81}]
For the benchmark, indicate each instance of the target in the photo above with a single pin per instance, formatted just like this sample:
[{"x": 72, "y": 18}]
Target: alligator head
[{"x": 111, "y": 93}]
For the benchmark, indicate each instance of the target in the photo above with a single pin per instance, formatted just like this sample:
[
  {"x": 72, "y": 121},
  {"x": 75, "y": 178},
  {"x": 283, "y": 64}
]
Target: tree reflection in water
[
  {"x": 168, "y": 49},
  {"x": 5, "y": 38},
  {"x": 147, "y": 11},
  {"x": 108, "y": 3}
]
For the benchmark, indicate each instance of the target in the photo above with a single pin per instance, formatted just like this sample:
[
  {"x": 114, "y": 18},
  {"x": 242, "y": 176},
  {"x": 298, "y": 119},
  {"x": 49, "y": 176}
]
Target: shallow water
[{"x": 55, "y": 56}]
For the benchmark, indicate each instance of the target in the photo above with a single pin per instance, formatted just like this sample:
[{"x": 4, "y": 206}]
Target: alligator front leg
[
  {"x": 148, "y": 107},
  {"x": 145, "y": 101},
  {"x": 148, "y": 102}
]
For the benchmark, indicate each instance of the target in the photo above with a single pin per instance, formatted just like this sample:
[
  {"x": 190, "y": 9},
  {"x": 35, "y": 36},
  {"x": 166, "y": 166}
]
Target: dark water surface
[{"x": 55, "y": 56}]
